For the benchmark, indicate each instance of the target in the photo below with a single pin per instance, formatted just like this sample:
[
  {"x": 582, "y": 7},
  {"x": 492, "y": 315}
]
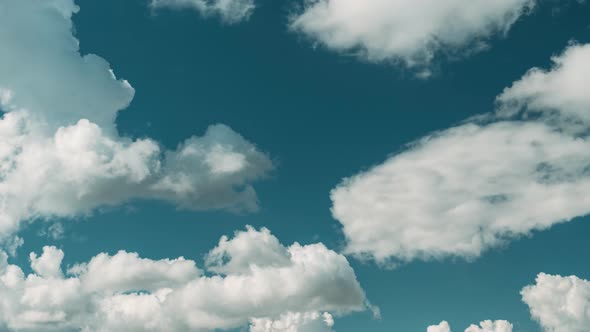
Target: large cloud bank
[
  {"x": 60, "y": 153},
  {"x": 289, "y": 289},
  {"x": 461, "y": 191}
]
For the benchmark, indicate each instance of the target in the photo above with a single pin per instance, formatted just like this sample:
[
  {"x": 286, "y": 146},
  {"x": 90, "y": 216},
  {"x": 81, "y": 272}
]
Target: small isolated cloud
[
  {"x": 485, "y": 326},
  {"x": 230, "y": 11},
  {"x": 125, "y": 292},
  {"x": 60, "y": 152},
  {"x": 463, "y": 190},
  {"x": 407, "y": 31},
  {"x": 559, "y": 304}
]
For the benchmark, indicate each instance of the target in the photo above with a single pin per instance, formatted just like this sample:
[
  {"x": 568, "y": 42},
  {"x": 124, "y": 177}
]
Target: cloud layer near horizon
[
  {"x": 60, "y": 153},
  {"x": 485, "y": 326},
  {"x": 461, "y": 191},
  {"x": 295, "y": 288},
  {"x": 557, "y": 303},
  {"x": 411, "y": 32}
]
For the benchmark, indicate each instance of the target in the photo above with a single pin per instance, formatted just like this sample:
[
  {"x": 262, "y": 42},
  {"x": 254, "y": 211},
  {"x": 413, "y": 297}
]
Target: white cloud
[
  {"x": 406, "y": 30},
  {"x": 247, "y": 249},
  {"x": 60, "y": 153},
  {"x": 491, "y": 326},
  {"x": 485, "y": 326},
  {"x": 560, "y": 94},
  {"x": 230, "y": 11},
  {"x": 126, "y": 292},
  {"x": 559, "y": 304},
  {"x": 128, "y": 272},
  {"x": 442, "y": 327},
  {"x": 463, "y": 190},
  {"x": 295, "y": 322},
  {"x": 47, "y": 265}
]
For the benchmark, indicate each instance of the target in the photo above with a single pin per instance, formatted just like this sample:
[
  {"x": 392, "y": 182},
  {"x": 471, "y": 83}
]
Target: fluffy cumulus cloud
[
  {"x": 491, "y": 326},
  {"x": 60, "y": 153},
  {"x": 442, "y": 327},
  {"x": 230, "y": 11},
  {"x": 559, "y": 304},
  {"x": 460, "y": 191},
  {"x": 124, "y": 292},
  {"x": 245, "y": 249},
  {"x": 295, "y": 322},
  {"x": 485, "y": 326},
  {"x": 406, "y": 30}
]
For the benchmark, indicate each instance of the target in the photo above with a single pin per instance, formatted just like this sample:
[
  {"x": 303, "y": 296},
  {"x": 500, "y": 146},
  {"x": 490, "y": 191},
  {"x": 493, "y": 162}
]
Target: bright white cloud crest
[
  {"x": 124, "y": 292},
  {"x": 491, "y": 326},
  {"x": 559, "y": 95},
  {"x": 295, "y": 322},
  {"x": 463, "y": 190},
  {"x": 60, "y": 153},
  {"x": 441, "y": 327},
  {"x": 559, "y": 304},
  {"x": 406, "y": 30},
  {"x": 485, "y": 326}
]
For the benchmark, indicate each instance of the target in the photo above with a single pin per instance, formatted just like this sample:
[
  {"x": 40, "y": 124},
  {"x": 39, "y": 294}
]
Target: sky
[{"x": 294, "y": 166}]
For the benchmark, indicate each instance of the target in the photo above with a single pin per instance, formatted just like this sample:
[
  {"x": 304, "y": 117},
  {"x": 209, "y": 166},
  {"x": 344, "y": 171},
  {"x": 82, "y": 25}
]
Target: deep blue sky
[{"x": 322, "y": 116}]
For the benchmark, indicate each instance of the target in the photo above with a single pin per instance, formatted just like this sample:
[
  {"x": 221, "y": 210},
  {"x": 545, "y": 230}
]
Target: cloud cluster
[
  {"x": 460, "y": 191},
  {"x": 559, "y": 304},
  {"x": 408, "y": 31},
  {"x": 485, "y": 326},
  {"x": 124, "y": 292},
  {"x": 230, "y": 11},
  {"x": 60, "y": 153}
]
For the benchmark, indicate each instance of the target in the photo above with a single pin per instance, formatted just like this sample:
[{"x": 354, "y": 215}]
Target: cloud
[
  {"x": 124, "y": 292},
  {"x": 247, "y": 248},
  {"x": 442, "y": 327},
  {"x": 491, "y": 326},
  {"x": 463, "y": 190},
  {"x": 295, "y": 322},
  {"x": 485, "y": 326},
  {"x": 559, "y": 95},
  {"x": 411, "y": 32},
  {"x": 559, "y": 304},
  {"x": 60, "y": 153},
  {"x": 230, "y": 11}
]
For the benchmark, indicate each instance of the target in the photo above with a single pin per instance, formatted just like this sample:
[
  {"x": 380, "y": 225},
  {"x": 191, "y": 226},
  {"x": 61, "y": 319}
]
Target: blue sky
[{"x": 306, "y": 110}]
